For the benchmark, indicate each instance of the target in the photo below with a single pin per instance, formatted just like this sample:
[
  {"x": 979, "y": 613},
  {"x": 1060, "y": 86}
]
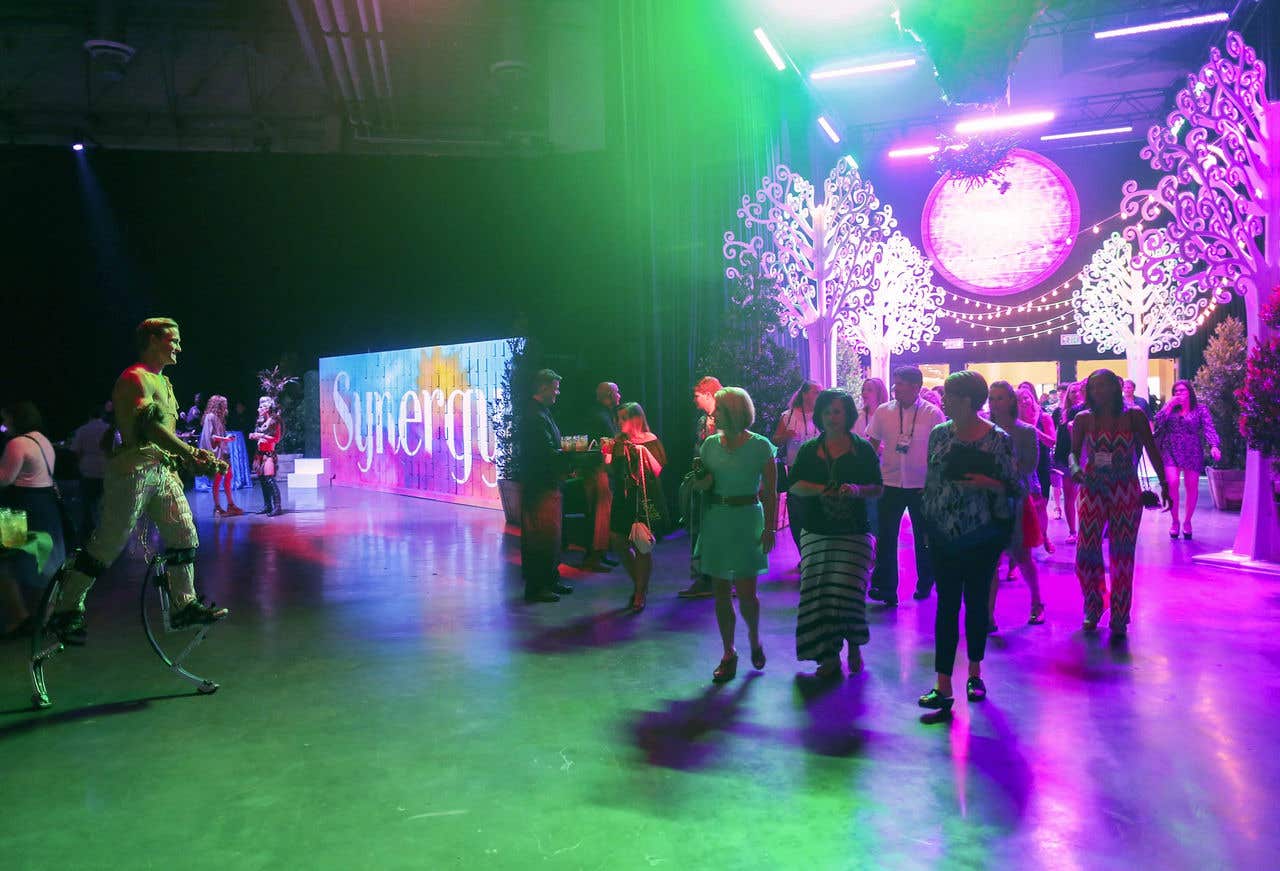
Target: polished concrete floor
[{"x": 389, "y": 701}]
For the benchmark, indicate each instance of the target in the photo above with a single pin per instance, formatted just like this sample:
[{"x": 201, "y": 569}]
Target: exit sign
[
  {"x": 953, "y": 344},
  {"x": 1069, "y": 339}
]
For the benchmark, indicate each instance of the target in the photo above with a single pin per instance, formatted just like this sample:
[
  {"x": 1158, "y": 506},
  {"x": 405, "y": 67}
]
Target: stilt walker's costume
[
  {"x": 1110, "y": 501},
  {"x": 268, "y": 433},
  {"x": 142, "y": 477}
]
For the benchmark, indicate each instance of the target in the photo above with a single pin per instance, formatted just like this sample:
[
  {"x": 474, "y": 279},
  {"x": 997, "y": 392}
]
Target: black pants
[
  {"x": 892, "y": 503},
  {"x": 541, "y": 518},
  {"x": 963, "y": 574}
]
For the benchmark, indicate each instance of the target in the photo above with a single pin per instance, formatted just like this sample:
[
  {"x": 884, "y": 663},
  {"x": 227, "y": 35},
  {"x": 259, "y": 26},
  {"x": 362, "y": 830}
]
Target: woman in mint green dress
[{"x": 738, "y": 528}]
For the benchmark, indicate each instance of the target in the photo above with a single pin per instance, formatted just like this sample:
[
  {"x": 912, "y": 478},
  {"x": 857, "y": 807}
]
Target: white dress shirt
[{"x": 911, "y": 427}]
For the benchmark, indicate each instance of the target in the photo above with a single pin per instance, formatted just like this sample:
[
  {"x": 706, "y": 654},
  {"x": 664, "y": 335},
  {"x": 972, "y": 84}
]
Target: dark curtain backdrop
[{"x": 702, "y": 119}]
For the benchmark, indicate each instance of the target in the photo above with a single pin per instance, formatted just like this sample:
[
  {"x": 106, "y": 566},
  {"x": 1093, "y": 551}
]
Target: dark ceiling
[{"x": 479, "y": 77}]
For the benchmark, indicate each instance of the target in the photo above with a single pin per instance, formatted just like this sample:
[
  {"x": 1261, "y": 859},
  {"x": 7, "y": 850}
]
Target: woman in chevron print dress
[
  {"x": 831, "y": 480},
  {"x": 1105, "y": 440}
]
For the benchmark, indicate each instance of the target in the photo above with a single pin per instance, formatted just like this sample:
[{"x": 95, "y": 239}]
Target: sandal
[
  {"x": 726, "y": 670},
  {"x": 1173, "y": 532},
  {"x": 976, "y": 690},
  {"x": 1037, "y": 614},
  {"x": 757, "y": 658}
]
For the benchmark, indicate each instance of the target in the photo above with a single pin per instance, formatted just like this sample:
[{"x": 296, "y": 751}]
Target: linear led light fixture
[
  {"x": 857, "y": 71},
  {"x": 1171, "y": 24},
  {"x": 828, "y": 129},
  {"x": 1082, "y": 133},
  {"x": 763, "y": 39},
  {"x": 923, "y": 150},
  {"x": 1004, "y": 122}
]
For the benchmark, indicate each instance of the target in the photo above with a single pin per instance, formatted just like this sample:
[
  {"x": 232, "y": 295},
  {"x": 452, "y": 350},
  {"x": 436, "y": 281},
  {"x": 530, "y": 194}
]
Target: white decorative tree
[
  {"x": 1119, "y": 310},
  {"x": 1219, "y": 201},
  {"x": 822, "y": 257},
  {"x": 901, "y": 311}
]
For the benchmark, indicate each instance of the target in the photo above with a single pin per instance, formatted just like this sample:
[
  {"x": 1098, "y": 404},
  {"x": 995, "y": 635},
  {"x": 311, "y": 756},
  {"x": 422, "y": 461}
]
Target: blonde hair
[
  {"x": 881, "y": 392},
  {"x": 735, "y": 411},
  {"x": 216, "y": 405}
]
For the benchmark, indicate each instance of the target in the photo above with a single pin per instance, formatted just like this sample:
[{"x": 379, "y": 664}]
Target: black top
[
  {"x": 859, "y": 466},
  {"x": 602, "y": 422},
  {"x": 542, "y": 463}
]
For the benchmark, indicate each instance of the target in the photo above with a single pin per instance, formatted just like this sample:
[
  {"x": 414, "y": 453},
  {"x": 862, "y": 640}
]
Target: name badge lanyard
[{"x": 915, "y": 415}]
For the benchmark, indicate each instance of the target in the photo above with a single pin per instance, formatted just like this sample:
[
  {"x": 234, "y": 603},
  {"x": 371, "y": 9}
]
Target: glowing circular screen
[{"x": 1004, "y": 236}]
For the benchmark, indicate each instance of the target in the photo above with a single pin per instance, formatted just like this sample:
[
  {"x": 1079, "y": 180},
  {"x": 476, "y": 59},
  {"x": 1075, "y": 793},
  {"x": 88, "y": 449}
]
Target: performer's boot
[
  {"x": 276, "y": 502},
  {"x": 265, "y": 483}
]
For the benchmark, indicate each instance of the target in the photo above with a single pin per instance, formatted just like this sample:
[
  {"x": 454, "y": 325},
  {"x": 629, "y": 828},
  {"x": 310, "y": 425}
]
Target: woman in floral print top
[{"x": 970, "y": 489}]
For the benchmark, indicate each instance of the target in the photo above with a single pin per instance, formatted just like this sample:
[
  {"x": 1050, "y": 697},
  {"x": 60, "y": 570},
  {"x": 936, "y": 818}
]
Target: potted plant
[
  {"x": 504, "y": 419},
  {"x": 1216, "y": 382},
  {"x": 1260, "y": 396}
]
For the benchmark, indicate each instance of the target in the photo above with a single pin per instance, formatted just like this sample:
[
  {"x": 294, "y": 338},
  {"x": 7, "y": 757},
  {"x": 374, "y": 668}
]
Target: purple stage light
[
  {"x": 1172, "y": 24},
  {"x": 1005, "y": 236},
  {"x": 990, "y": 123}
]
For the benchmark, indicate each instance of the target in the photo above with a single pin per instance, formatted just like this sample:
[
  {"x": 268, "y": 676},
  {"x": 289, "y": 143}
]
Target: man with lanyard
[{"x": 899, "y": 431}]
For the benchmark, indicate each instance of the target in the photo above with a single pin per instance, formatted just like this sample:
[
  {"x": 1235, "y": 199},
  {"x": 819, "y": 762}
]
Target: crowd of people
[{"x": 973, "y": 466}]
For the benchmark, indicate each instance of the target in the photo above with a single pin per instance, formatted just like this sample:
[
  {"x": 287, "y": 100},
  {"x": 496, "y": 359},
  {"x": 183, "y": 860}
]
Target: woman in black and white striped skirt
[{"x": 832, "y": 477}]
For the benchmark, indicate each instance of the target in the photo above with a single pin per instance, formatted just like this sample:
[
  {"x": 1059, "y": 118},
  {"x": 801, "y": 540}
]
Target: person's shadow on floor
[
  {"x": 679, "y": 736},
  {"x": 834, "y": 707}
]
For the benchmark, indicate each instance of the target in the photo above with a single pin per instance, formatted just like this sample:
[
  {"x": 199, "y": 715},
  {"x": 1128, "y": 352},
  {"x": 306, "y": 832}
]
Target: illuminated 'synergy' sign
[{"x": 415, "y": 421}]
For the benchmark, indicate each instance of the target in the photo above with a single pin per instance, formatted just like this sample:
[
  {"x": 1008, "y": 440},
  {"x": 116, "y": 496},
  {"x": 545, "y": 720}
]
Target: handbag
[
  {"x": 70, "y": 533},
  {"x": 1150, "y": 498},
  {"x": 642, "y": 538}
]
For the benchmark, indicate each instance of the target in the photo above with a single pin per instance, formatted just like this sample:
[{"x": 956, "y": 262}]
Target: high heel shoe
[
  {"x": 234, "y": 510},
  {"x": 976, "y": 690},
  {"x": 757, "y": 658},
  {"x": 1173, "y": 532},
  {"x": 1037, "y": 614},
  {"x": 637, "y": 604},
  {"x": 726, "y": 670},
  {"x": 1186, "y": 533},
  {"x": 218, "y": 512}
]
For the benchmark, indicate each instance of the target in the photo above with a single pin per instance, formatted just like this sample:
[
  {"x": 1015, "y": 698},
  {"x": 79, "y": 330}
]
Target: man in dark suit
[
  {"x": 602, "y": 423},
  {"x": 542, "y": 469}
]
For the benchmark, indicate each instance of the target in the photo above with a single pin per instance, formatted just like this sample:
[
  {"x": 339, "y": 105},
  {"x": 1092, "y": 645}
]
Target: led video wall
[{"x": 415, "y": 422}]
